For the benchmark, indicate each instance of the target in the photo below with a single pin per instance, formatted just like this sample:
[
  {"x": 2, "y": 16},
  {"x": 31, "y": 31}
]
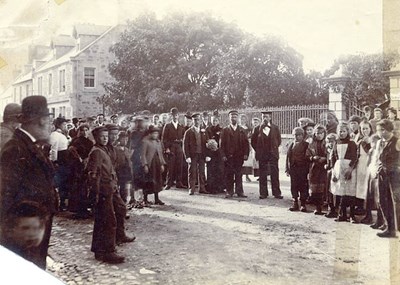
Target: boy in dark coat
[{"x": 297, "y": 168}]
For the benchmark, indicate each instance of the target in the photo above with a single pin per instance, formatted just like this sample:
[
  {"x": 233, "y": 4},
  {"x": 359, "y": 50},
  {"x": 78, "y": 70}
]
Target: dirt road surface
[{"x": 207, "y": 239}]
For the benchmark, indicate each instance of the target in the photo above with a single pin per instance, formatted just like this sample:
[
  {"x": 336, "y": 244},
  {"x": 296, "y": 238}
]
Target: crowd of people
[{"x": 101, "y": 168}]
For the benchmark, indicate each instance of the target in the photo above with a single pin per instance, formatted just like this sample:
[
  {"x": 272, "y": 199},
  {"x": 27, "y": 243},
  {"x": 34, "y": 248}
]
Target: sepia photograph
[{"x": 214, "y": 142}]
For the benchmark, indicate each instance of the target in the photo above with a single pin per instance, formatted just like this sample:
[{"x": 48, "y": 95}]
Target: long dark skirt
[{"x": 154, "y": 179}]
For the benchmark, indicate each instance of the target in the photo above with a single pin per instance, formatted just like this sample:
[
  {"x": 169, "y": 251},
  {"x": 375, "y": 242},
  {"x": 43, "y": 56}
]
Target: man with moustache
[
  {"x": 27, "y": 173},
  {"x": 266, "y": 140}
]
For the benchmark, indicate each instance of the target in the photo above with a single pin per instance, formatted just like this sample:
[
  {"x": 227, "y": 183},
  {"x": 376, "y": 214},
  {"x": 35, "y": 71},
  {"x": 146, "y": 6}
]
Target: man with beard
[
  {"x": 235, "y": 149},
  {"x": 172, "y": 137},
  {"x": 266, "y": 140},
  {"x": 26, "y": 172}
]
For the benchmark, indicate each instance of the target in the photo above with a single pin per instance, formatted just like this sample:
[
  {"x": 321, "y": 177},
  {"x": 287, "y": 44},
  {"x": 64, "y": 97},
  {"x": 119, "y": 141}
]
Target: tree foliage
[
  {"x": 196, "y": 61},
  {"x": 369, "y": 85}
]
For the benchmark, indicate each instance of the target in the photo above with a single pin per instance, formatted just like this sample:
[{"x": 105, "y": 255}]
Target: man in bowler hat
[
  {"x": 266, "y": 140},
  {"x": 27, "y": 173},
  {"x": 10, "y": 122},
  {"x": 172, "y": 138}
]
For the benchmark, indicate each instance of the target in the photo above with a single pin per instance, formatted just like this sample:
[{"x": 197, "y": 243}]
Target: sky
[{"x": 320, "y": 30}]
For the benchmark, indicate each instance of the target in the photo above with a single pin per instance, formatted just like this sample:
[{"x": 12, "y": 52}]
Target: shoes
[
  {"x": 191, "y": 192},
  {"x": 180, "y": 186},
  {"x": 383, "y": 227},
  {"x": 331, "y": 214},
  {"x": 366, "y": 220},
  {"x": 278, "y": 197},
  {"x": 353, "y": 220},
  {"x": 341, "y": 219},
  {"x": 241, "y": 196},
  {"x": 110, "y": 257},
  {"x": 387, "y": 234},
  {"x": 159, "y": 202},
  {"x": 318, "y": 213},
  {"x": 376, "y": 225},
  {"x": 303, "y": 209},
  {"x": 167, "y": 187},
  {"x": 125, "y": 239},
  {"x": 227, "y": 195},
  {"x": 263, "y": 197},
  {"x": 295, "y": 207}
]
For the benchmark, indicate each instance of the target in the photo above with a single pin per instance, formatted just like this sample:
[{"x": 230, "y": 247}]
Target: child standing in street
[
  {"x": 297, "y": 168},
  {"x": 332, "y": 200},
  {"x": 124, "y": 168},
  {"x": 316, "y": 154},
  {"x": 343, "y": 181},
  {"x": 154, "y": 165}
]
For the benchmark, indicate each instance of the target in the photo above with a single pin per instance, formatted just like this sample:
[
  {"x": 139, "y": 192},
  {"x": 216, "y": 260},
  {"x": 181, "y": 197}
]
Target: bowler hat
[
  {"x": 174, "y": 111},
  {"x": 34, "y": 107},
  {"x": 188, "y": 115},
  {"x": 59, "y": 120},
  {"x": 12, "y": 110}
]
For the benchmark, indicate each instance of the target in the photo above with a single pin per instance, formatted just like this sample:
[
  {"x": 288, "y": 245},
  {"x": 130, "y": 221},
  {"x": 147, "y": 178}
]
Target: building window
[
  {"x": 39, "y": 83},
  {"x": 50, "y": 83},
  {"x": 20, "y": 93},
  {"x": 62, "y": 80},
  {"x": 89, "y": 77},
  {"x": 27, "y": 90}
]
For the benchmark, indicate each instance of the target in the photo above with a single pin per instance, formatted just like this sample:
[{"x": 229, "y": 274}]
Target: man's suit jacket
[
  {"x": 226, "y": 141},
  {"x": 171, "y": 135},
  {"x": 26, "y": 175},
  {"x": 189, "y": 143},
  {"x": 259, "y": 142}
]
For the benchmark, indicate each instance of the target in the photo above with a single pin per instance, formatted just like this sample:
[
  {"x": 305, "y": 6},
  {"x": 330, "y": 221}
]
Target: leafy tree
[
  {"x": 369, "y": 85},
  {"x": 160, "y": 63}
]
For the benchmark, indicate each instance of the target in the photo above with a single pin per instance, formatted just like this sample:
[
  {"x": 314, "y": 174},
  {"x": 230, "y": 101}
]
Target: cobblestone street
[{"x": 211, "y": 240}]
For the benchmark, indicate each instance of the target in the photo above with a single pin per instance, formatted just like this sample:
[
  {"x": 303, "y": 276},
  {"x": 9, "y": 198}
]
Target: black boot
[{"x": 295, "y": 206}]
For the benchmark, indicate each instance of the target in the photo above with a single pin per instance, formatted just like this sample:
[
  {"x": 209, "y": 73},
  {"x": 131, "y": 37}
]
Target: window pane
[{"x": 89, "y": 74}]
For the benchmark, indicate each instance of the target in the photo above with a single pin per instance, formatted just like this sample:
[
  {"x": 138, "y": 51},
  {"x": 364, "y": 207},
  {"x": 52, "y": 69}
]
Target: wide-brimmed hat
[{"x": 33, "y": 107}]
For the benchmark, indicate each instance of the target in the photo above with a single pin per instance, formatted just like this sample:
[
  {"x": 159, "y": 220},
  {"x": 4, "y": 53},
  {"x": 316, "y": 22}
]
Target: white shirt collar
[
  {"x": 175, "y": 124},
  {"x": 197, "y": 129},
  {"x": 28, "y": 134},
  {"x": 234, "y": 127}
]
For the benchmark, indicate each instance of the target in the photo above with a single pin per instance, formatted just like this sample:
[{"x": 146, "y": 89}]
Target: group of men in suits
[{"x": 190, "y": 145}]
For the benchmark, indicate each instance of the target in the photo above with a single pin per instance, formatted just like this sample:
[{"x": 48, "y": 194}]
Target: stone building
[{"x": 72, "y": 73}]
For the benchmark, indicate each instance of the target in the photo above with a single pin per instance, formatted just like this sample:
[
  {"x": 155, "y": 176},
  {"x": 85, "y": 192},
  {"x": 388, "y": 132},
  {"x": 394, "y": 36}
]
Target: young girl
[
  {"x": 331, "y": 199},
  {"x": 153, "y": 162},
  {"x": 363, "y": 148},
  {"x": 343, "y": 181},
  {"x": 316, "y": 154},
  {"x": 309, "y": 132}
]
